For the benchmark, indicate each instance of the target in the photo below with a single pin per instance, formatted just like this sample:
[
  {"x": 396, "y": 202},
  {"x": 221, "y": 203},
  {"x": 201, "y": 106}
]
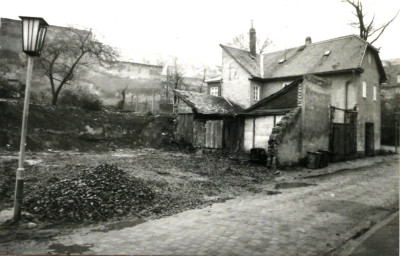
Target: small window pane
[
  {"x": 214, "y": 91},
  {"x": 256, "y": 93},
  {"x": 374, "y": 92}
]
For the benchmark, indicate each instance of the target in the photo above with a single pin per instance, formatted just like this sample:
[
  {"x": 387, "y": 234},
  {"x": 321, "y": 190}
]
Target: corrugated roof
[
  {"x": 346, "y": 53},
  {"x": 208, "y": 104}
]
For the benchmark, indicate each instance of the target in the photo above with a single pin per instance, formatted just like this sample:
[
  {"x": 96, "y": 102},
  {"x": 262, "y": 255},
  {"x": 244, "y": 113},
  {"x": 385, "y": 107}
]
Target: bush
[
  {"x": 80, "y": 98},
  {"x": 8, "y": 91}
]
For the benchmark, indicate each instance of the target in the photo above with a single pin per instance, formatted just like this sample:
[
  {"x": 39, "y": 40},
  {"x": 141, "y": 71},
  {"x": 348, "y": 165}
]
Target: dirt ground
[{"x": 181, "y": 181}]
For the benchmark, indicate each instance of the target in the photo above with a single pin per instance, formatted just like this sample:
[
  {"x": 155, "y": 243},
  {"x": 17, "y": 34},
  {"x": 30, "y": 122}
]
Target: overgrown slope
[{"x": 67, "y": 128}]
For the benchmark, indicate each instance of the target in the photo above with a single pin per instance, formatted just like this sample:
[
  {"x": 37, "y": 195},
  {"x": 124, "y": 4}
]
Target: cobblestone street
[{"x": 312, "y": 216}]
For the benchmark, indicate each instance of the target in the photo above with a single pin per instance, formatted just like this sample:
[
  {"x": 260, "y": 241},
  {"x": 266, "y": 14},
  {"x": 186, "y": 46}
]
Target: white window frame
[
  {"x": 364, "y": 89},
  {"x": 375, "y": 93},
  {"x": 256, "y": 92},
  {"x": 214, "y": 91}
]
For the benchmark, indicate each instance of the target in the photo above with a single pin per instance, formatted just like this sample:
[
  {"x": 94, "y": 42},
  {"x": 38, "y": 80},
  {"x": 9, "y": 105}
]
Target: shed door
[
  {"x": 214, "y": 133},
  {"x": 369, "y": 139}
]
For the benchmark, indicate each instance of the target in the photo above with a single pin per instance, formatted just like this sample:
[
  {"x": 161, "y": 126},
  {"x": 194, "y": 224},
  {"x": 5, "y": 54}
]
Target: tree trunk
[{"x": 55, "y": 98}]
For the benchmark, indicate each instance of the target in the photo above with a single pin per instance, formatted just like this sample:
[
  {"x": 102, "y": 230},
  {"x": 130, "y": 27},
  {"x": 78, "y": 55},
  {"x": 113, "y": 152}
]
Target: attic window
[
  {"x": 327, "y": 53},
  {"x": 281, "y": 61}
]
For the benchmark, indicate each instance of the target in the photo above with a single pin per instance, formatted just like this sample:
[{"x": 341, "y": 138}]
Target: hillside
[{"x": 67, "y": 128}]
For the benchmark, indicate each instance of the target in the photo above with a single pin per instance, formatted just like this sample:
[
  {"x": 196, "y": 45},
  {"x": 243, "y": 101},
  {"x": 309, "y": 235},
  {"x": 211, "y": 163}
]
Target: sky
[{"x": 193, "y": 30}]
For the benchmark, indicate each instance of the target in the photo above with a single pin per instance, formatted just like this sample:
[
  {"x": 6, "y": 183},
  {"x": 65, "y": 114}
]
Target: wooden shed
[{"x": 207, "y": 121}]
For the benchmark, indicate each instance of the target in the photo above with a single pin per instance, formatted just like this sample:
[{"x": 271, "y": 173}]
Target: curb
[{"x": 364, "y": 232}]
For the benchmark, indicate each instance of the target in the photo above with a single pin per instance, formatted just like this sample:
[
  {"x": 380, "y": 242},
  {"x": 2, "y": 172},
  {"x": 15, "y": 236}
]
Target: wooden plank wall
[
  {"x": 233, "y": 134},
  {"x": 214, "y": 133},
  {"x": 199, "y": 134},
  {"x": 184, "y": 129}
]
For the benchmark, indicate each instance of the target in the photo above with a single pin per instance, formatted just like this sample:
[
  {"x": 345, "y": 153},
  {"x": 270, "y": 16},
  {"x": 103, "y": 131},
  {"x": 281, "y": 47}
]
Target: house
[
  {"x": 317, "y": 96},
  {"x": 391, "y": 103}
]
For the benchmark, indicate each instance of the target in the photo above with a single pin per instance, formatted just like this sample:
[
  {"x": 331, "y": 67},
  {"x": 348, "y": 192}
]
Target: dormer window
[{"x": 327, "y": 53}]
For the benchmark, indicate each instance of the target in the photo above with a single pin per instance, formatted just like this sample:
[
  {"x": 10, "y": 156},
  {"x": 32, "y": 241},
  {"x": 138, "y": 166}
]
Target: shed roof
[
  {"x": 208, "y": 104},
  {"x": 335, "y": 55},
  {"x": 278, "y": 103}
]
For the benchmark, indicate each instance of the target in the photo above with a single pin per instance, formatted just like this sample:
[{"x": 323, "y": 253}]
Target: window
[
  {"x": 214, "y": 91},
  {"x": 398, "y": 79},
  {"x": 374, "y": 95},
  {"x": 369, "y": 58},
  {"x": 364, "y": 89},
  {"x": 256, "y": 92}
]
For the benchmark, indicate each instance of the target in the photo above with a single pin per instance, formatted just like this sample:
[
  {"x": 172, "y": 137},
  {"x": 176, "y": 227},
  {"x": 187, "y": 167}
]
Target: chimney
[
  {"x": 308, "y": 40},
  {"x": 252, "y": 41}
]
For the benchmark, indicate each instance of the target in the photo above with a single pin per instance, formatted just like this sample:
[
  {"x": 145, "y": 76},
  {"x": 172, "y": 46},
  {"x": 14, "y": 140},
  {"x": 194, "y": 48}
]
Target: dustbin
[
  {"x": 258, "y": 155},
  {"x": 313, "y": 159},
  {"x": 325, "y": 158}
]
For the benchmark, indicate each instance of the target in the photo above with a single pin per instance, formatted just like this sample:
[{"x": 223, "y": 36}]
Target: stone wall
[
  {"x": 305, "y": 128},
  {"x": 107, "y": 82},
  {"x": 315, "y": 108}
]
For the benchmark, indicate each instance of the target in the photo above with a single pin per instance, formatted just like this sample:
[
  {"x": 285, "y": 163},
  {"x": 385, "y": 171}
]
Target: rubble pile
[{"x": 95, "y": 194}]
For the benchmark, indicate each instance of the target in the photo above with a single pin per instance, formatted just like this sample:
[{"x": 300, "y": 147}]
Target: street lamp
[{"x": 33, "y": 34}]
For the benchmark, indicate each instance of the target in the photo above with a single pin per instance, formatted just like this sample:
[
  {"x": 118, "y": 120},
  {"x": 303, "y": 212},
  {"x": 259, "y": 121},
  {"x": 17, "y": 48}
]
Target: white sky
[{"x": 193, "y": 30}]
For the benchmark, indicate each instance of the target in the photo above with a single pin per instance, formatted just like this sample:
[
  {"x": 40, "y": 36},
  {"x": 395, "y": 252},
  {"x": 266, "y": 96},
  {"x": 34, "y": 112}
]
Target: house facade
[{"x": 323, "y": 95}]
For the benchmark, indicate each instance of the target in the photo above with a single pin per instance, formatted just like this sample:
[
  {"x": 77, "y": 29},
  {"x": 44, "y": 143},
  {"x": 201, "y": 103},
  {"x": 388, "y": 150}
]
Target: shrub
[
  {"x": 80, "y": 98},
  {"x": 7, "y": 90}
]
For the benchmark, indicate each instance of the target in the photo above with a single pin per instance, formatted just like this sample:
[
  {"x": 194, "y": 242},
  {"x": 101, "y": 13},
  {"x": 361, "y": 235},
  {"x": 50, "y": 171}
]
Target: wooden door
[
  {"x": 214, "y": 133},
  {"x": 338, "y": 142},
  {"x": 369, "y": 139}
]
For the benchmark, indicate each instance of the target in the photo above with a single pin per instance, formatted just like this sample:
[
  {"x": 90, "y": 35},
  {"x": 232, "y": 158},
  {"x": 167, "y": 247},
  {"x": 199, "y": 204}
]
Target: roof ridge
[{"x": 319, "y": 42}]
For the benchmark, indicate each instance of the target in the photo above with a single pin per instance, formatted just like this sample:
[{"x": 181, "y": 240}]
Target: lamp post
[{"x": 33, "y": 35}]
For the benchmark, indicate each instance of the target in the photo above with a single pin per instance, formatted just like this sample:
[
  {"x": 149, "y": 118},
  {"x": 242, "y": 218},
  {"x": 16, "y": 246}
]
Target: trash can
[
  {"x": 258, "y": 155},
  {"x": 313, "y": 159},
  {"x": 325, "y": 158}
]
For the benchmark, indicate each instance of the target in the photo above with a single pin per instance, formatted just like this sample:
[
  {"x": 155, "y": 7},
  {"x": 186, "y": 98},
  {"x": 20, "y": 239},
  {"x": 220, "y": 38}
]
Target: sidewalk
[
  {"x": 385, "y": 241},
  {"x": 381, "y": 239},
  {"x": 332, "y": 168}
]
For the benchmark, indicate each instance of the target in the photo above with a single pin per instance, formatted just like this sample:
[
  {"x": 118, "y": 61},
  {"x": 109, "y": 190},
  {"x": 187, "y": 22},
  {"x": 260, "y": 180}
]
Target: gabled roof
[
  {"x": 243, "y": 58},
  {"x": 280, "y": 102},
  {"x": 331, "y": 56},
  {"x": 217, "y": 79},
  {"x": 208, "y": 104}
]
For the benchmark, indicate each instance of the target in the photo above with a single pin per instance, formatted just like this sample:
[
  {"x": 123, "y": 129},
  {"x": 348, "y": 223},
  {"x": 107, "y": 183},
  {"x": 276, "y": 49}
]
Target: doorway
[{"x": 369, "y": 139}]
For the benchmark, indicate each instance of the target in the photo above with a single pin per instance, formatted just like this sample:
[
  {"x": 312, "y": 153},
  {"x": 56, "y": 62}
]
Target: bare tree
[
  {"x": 367, "y": 28},
  {"x": 241, "y": 41},
  {"x": 63, "y": 57},
  {"x": 203, "y": 80}
]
